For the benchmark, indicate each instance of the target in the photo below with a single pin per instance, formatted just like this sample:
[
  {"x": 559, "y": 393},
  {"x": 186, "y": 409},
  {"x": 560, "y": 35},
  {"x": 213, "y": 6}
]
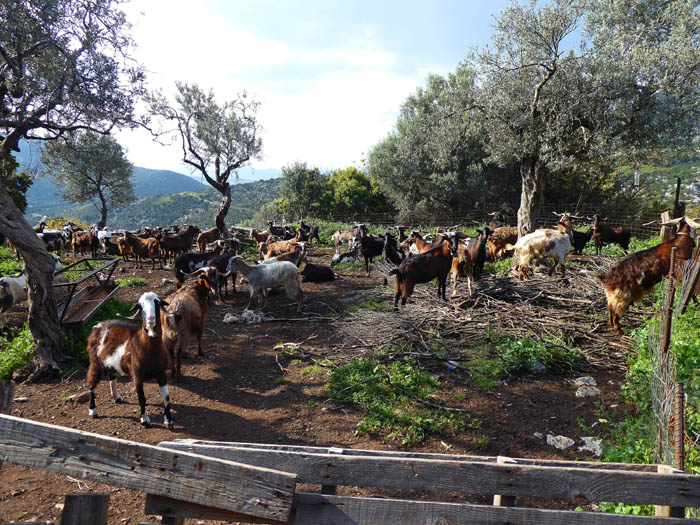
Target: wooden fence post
[
  {"x": 504, "y": 501},
  {"x": 7, "y": 391},
  {"x": 663, "y": 510},
  {"x": 85, "y": 509}
]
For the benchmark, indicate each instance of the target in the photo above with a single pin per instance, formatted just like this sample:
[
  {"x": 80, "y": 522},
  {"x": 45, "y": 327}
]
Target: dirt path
[{"x": 236, "y": 393}]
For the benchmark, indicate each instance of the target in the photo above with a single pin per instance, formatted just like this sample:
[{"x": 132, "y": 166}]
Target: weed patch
[
  {"x": 129, "y": 282},
  {"x": 391, "y": 396},
  {"x": 16, "y": 353}
]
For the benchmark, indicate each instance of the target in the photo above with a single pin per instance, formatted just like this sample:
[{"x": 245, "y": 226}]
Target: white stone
[
  {"x": 592, "y": 444},
  {"x": 560, "y": 442},
  {"x": 538, "y": 435},
  {"x": 587, "y": 391},
  {"x": 585, "y": 381}
]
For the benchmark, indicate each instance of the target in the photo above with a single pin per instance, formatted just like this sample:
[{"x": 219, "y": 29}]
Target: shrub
[
  {"x": 129, "y": 282},
  {"x": 16, "y": 353}
]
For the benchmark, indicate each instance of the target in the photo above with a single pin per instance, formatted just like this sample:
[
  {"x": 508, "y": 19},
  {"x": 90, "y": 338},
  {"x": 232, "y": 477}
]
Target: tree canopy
[
  {"x": 216, "y": 139},
  {"x": 90, "y": 167},
  {"x": 65, "y": 65}
]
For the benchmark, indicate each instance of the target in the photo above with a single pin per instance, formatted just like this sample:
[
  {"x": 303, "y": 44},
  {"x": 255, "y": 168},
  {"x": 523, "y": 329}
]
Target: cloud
[{"x": 325, "y": 106}]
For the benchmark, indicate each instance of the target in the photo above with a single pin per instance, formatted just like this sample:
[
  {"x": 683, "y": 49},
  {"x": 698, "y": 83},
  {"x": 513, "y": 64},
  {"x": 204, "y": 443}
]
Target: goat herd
[{"x": 168, "y": 325}]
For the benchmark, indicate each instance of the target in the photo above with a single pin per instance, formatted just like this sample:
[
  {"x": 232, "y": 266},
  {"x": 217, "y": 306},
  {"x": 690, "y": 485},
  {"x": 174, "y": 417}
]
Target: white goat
[
  {"x": 13, "y": 290},
  {"x": 264, "y": 276}
]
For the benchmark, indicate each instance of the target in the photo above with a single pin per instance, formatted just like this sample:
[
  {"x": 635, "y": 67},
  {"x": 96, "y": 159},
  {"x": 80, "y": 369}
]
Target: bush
[
  {"x": 16, "y": 353},
  {"x": 521, "y": 354},
  {"x": 9, "y": 265}
]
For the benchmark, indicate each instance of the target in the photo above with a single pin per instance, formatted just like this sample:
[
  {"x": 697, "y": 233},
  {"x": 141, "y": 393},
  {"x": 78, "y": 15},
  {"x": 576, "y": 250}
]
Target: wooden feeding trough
[{"x": 81, "y": 290}]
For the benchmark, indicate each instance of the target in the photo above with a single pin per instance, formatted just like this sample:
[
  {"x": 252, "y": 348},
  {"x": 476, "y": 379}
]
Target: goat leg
[{"x": 145, "y": 420}]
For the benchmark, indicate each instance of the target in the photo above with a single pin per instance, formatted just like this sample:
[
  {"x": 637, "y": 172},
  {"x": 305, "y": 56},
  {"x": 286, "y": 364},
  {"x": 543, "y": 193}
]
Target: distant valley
[{"x": 163, "y": 197}]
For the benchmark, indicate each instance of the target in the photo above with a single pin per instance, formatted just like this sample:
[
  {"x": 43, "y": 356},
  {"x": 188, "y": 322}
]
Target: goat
[
  {"x": 477, "y": 252},
  {"x": 497, "y": 220},
  {"x": 297, "y": 257},
  {"x": 342, "y": 236},
  {"x": 316, "y": 273},
  {"x": 119, "y": 348},
  {"x": 422, "y": 268},
  {"x": 144, "y": 248},
  {"x": 604, "y": 234},
  {"x": 461, "y": 267},
  {"x": 265, "y": 276},
  {"x": 280, "y": 247},
  {"x": 279, "y": 231},
  {"x": 188, "y": 263},
  {"x": 391, "y": 250},
  {"x": 189, "y": 306},
  {"x": 501, "y": 242},
  {"x": 260, "y": 237},
  {"x": 370, "y": 246},
  {"x": 206, "y": 237},
  {"x": 124, "y": 249},
  {"x": 401, "y": 230},
  {"x": 345, "y": 258},
  {"x": 172, "y": 245},
  {"x": 581, "y": 239},
  {"x": 541, "y": 244},
  {"x": 636, "y": 275},
  {"x": 13, "y": 290},
  {"x": 81, "y": 241}
]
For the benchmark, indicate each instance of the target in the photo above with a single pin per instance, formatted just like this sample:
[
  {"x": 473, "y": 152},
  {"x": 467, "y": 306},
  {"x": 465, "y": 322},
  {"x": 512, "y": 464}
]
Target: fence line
[{"x": 477, "y": 216}]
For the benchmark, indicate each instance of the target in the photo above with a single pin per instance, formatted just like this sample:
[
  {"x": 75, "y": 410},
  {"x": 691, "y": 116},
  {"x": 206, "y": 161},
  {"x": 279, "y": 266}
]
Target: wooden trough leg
[
  {"x": 504, "y": 501},
  {"x": 85, "y": 509},
  {"x": 166, "y": 520}
]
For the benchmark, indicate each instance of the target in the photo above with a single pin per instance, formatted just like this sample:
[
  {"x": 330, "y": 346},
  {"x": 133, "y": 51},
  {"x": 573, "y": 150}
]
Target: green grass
[
  {"x": 388, "y": 394},
  {"x": 16, "y": 353},
  {"x": 129, "y": 282},
  {"x": 349, "y": 266},
  {"x": 9, "y": 265},
  {"x": 501, "y": 267},
  {"x": 375, "y": 304}
]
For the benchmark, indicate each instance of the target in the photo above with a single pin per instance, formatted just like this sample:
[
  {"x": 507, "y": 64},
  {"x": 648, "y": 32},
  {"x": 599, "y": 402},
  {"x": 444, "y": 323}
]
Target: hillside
[{"x": 195, "y": 207}]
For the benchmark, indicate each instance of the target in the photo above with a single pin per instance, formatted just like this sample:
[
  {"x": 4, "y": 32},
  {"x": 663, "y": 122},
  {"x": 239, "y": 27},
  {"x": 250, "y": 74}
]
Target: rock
[
  {"x": 585, "y": 381},
  {"x": 592, "y": 444},
  {"x": 165, "y": 281},
  {"x": 538, "y": 435},
  {"x": 560, "y": 442},
  {"x": 246, "y": 317},
  {"x": 587, "y": 391},
  {"x": 538, "y": 368}
]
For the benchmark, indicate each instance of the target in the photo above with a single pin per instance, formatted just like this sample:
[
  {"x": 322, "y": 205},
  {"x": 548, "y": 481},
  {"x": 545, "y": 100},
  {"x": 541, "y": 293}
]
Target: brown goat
[
  {"x": 423, "y": 268},
  {"x": 259, "y": 237},
  {"x": 189, "y": 305},
  {"x": 82, "y": 241},
  {"x": 278, "y": 248},
  {"x": 144, "y": 248},
  {"x": 501, "y": 242},
  {"x": 636, "y": 275},
  {"x": 206, "y": 237},
  {"x": 462, "y": 267},
  {"x": 118, "y": 348}
]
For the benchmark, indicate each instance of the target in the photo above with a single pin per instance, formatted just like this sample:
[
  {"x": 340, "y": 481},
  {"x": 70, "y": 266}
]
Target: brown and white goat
[
  {"x": 189, "y": 306},
  {"x": 541, "y": 244},
  {"x": 423, "y": 268},
  {"x": 636, "y": 275},
  {"x": 343, "y": 236},
  {"x": 117, "y": 348}
]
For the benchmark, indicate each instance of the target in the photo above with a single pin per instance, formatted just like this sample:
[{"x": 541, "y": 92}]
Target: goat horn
[
  {"x": 136, "y": 308},
  {"x": 672, "y": 222},
  {"x": 693, "y": 222}
]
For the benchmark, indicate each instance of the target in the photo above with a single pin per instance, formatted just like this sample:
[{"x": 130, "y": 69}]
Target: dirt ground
[{"x": 234, "y": 393}]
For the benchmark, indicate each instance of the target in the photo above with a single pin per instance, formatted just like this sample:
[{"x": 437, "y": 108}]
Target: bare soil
[{"x": 235, "y": 393}]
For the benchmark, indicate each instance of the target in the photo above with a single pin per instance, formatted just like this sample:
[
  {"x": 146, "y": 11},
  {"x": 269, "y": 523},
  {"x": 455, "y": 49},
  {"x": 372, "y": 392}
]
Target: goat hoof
[
  {"x": 170, "y": 425},
  {"x": 146, "y": 424}
]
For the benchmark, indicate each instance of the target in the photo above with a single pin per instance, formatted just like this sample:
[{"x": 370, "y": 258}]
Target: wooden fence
[{"x": 256, "y": 483}]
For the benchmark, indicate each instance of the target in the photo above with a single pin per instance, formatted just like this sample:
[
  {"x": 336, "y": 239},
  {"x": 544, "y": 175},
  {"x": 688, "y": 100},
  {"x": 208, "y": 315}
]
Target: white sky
[{"x": 330, "y": 75}]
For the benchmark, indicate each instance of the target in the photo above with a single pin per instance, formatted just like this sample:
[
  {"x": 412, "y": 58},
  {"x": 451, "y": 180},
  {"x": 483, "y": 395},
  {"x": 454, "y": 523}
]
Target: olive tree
[
  {"x": 631, "y": 83},
  {"x": 64, "y": 65},
  {"x": 89, "y": 167},
  {"x": 216, "y": 139}
]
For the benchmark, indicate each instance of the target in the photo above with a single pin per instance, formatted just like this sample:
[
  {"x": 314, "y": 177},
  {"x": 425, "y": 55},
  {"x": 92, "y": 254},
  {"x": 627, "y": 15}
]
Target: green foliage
[
  {"x": 387, "y": 395},
  {"x": 75, "y": 342},
  {"x": 89, "y": 167},
  {"x": 59, "y": 222},
  {"x": 501, "y": 267},
  {"x": 17, "y": 353},
  {"x": 519, "y": 355},
  {"x": 129, "y": 282},
  {"x": 375, "y": 303},
  {"x": 9, "y": 265},
  {"x": 16, "y": 184}
]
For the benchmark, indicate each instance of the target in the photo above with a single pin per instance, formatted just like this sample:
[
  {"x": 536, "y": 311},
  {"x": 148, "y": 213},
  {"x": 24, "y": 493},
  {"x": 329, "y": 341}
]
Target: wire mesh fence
[{"x": 638, "y": 224}]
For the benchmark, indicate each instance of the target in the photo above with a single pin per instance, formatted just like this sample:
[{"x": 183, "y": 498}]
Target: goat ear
[{"x": 163, "y": 303}]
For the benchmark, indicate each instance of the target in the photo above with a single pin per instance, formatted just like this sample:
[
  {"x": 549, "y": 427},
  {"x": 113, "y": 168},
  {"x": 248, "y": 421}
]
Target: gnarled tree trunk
[
  {"x": 43, "y": 318},
  {"x": 225, "y": 191},
  {"x": 532, "y": 174}
]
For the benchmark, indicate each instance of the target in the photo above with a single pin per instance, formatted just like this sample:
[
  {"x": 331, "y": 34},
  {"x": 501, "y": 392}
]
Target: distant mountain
[{"x": 198, "y": 207}]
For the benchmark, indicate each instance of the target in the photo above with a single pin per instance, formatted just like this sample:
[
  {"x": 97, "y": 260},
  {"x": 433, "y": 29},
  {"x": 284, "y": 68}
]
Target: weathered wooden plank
[
  {"x": 416, "y": 455},
  {"x": 499, "y": 500},
  {"x": 172, "y": 508},
  {"x": 469, "y": 477},
  {"x": 85, "y": 509},
  {"x": 189, "y": 477},
  {"x": 317, "y": 509}
]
